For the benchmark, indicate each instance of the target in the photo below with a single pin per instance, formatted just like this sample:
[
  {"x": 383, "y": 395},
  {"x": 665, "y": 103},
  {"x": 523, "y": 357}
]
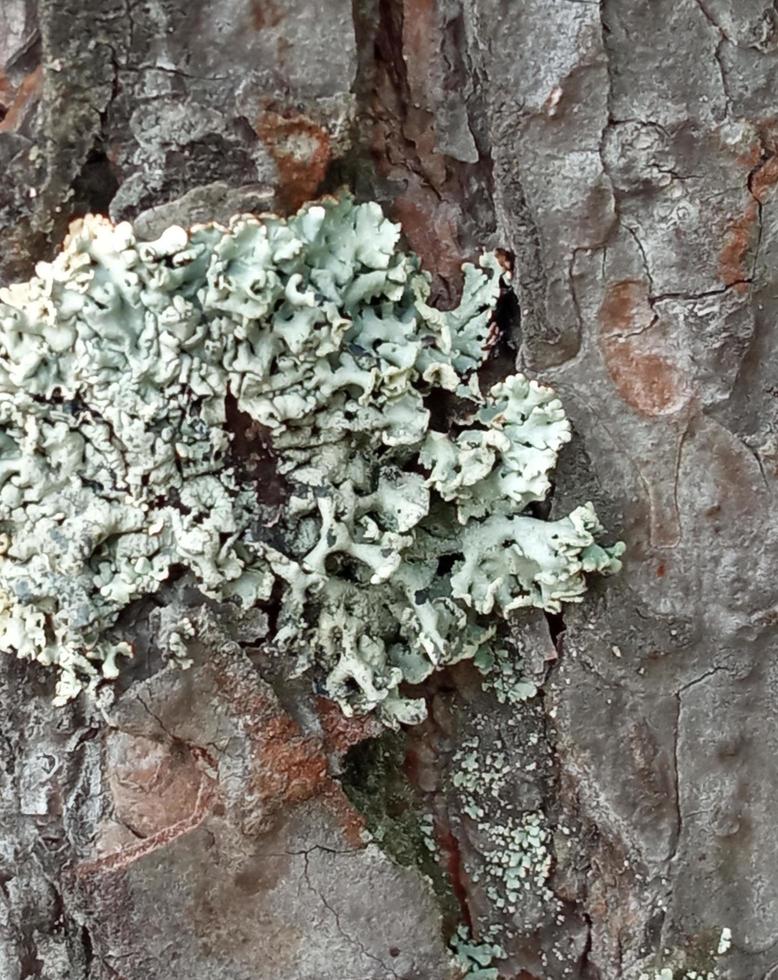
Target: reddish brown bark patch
[
  {"x": 153, "y": 784},
  {"x": 342, "y": 733},
  {"x": 301, "y": 151},
  {"x": 643, "y": 374},
  {"x": 625, "y": 303},
  {"x": 265, "y": 13},
  {"x": 734, "y": 269},
  {"x": 291, "y": 767},
  {"x": 201, "y": 807},
  {"x": 765, "y": 177},
  {"x": 412, "y": 73},
  {"x": 421, "y": 40},
  {"x": 350, "y": 820},
  {"x": 287, "y": 766},
  {"x": 647, "y": 382},
  {"x": 15, "y": 101},
  {"x": 431, "y": 230}
]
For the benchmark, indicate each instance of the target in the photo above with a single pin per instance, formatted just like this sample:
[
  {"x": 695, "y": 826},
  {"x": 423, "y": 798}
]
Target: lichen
[
  {"x": 474, "y": 959},
  {"x": 516, "y": 850},
  {"x": 697, "y": 960},
  {"x": 395, "y": 545},
  {"x": 667, "y": 973},
  {"x": 503, "y": 676}
]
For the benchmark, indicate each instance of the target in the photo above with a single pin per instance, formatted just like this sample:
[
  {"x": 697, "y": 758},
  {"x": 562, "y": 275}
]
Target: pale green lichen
[
  {"x": 667, "y": 973},
  {"x": 698, "y": 961},
  {"x": 395, "y": 545},
  {"x": 472, "y": 959},
  {"x": 503, "y": 676},
  {"x": 516, "y": 849}
]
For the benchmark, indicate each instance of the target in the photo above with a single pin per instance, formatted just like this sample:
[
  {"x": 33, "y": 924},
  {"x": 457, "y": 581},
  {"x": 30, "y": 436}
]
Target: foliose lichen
[{"x": 397, "y": 545}]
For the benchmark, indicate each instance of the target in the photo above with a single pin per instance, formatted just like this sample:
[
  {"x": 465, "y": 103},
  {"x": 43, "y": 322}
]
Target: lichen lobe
[{"x": 394, "y": 546}]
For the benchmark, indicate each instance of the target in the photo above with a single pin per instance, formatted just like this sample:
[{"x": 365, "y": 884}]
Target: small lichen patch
[
  {"x": 693, "y": 962},
  {"x": 474, "y": 959},
  {"x": 502, "y": 675},
  {"x": 666, "y": 973},
  {"x": 396, "y": 546},
  {"x": 725, "y": 941},
  {"x": 516, "y": 851}
]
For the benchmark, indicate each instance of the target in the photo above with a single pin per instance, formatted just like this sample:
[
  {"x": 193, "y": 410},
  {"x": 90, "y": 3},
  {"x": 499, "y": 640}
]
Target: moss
[{"x": 375, "y": 781}]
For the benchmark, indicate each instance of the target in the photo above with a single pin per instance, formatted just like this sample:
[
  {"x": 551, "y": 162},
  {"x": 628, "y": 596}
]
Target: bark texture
[{"x": 626, "y": 155}]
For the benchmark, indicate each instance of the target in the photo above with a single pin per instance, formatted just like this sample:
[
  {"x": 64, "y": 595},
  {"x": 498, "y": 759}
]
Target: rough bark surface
[{"x": 626, "y": 154}]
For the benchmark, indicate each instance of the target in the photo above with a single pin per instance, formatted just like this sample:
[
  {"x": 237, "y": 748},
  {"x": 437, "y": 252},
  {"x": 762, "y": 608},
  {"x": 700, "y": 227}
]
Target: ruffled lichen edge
[{"x": 397, "y": 546}]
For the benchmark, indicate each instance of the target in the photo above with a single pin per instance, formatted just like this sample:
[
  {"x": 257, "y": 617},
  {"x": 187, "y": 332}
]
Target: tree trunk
[{"x": 210, "y": 824}]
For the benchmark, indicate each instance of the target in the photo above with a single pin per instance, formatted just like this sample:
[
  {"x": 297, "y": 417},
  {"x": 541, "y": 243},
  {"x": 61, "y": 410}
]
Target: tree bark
[{"x": 625, "y": 156}]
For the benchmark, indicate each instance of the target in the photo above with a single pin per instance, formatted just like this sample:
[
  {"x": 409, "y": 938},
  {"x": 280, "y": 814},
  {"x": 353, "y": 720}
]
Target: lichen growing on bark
[{"x": 395, "y": 544}]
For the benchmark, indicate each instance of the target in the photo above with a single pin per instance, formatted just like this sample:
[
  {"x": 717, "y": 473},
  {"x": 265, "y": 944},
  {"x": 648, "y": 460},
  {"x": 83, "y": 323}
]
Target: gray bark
[{"x": 625, "y": 154}]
